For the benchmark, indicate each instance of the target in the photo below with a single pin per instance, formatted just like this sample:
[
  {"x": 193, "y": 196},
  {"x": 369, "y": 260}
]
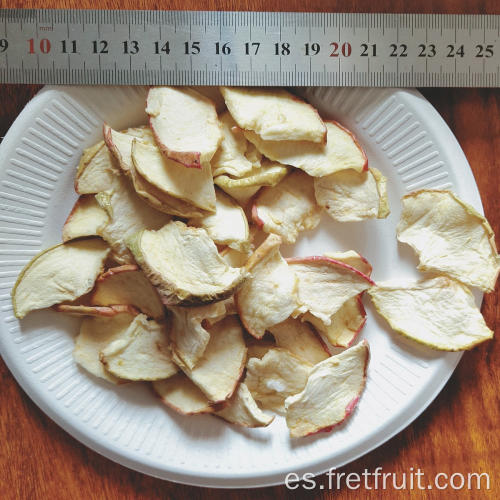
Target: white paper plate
[{"x": 403, "y": 136}]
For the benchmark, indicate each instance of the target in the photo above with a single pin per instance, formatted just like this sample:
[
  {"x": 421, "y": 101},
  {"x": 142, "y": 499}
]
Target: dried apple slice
[
  {"x": 268, "y": 296},
  {"x": 61, "y": 273},
  {"x": 85, "y": 219},
  {"x": 333, "y": 389},
  {"x": 185, "y": 125},
  {"x": 348, "y": 195},
  {"x": 128, "y": 285},
  {"x": 449, "y": 236},
  {"x": 274, "y": 114},
  {"x": 180, "y": 394},
  {"x": 219, "y": 370},
  {"x": 242, "y": 410},
  {"x": 184, "y": 265},
  {"x": 120, "y": 143},
  {"x": 276, "y": 376},
  {"x": 300, "y": 339},
  {"x": 128, "y": 214},
  {"x": 345, "y": 324},
  {"x": 195, "y": 187},
  {"x": 353, "y": 259},
  {"x": 230, "y": 158},
  {"x": 438, "y": 312},
  {"x": 95, "y": 334},
  {"x": 287, "y": 208},
  {"x": 243, "y": 188},
  {"x": 97, "y": 170},
  {"x": 340, "y": 152},
  {"x": 325, "y": 284},
  {"x": 140, "y": 353},
  {"x": 188, "y": 335},
  {"x": 228, "y": 226}
]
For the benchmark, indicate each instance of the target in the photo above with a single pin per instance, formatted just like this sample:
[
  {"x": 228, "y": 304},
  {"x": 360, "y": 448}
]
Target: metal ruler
[{"x": 248, "y": 48}]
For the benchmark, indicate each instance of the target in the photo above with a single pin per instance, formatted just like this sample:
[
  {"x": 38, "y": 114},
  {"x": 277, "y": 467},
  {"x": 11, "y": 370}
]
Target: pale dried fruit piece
[
  {"x": 185, "y": 124},
  {"x": 325, "y": 284},
  {"x": 340, "y": 152},
  {"x": 348, "y": 195},
  {"x": 128, "y": 285},
  {"x": 300, "y": 339},
  {"x": 288, "y": 208},
  {"x": 85, "y": 219},
  {"x": 353, "y": 259},
  {"x": 228, "y": 226},
  {"x": 333, "y": 389},
  {"x": 276, "y": 376},
  {"x": 188, "y": 335},
  {"x": 449, "y": 236},
  {"x": 128, "y": 214},
  {"x": 97, "y": 170},
  {"x": 345, "y": 324},
  {"x": 274, "y": 114},
  {"x": 95, "y": 334},
  {"x": 268, "y": 296},
  {"x": 194, "y": 187},
  {"x": 219, "y": 370},
  {"x": 120, "y": 143},
  {"x": 230, "y": 158},
  {"x": 184, "y": 265},
  {"x": 61, "y": 273},
  {"x": 140, "y": 353},
  {"x": 180, "y": 394},
  {"x": 84, "y": 310},
  {"x": 243, "y": 188},
  {"x": 213, "y": 93},
  {"x": 242, "y": 410},
  {"x": 438, "y": 312}
]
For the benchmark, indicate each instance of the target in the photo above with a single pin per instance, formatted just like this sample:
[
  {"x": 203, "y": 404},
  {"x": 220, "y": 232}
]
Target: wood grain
[{"x": 459, "y": 432}]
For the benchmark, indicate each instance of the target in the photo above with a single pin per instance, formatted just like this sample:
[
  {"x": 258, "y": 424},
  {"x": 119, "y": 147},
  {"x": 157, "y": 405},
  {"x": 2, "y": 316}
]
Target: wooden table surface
[{"x": 459, "y": 432}]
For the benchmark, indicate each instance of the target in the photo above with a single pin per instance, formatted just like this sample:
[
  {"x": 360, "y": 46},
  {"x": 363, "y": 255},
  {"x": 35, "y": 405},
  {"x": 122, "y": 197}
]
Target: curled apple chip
[
  {"x": 61, "y": 273},
  {"x": 242, "y": 410},
  {"x": 276, "y": 376},
  {"x": 194, "y": 187},
  {"x": 85, "y": 219},
  {"x": 243, "y": 188},
  {"x": 268, "y": 296},
  {"x": 188, "y": 335},
  {"x": 325, "y": 284},
  {"x": 184, "y": 264},
  {"x": 345, "y": 324},
  {"x": 140, "y": 353},
  {"x": 180, "y": 394},
  {"x": 231, "y": 157},
  {"x": 128, "y": 214},
  {"x": 185, "y": 124},
  {"x": 438, "y": 312},
  {"x": 219, "y": 370},
  {"x": 97, "y": 170},
  {"x": 228, "y": 226},
  {"x": 450, "y": 237},
  {"x": 128, "y": 285},
  {"x": 95, "y": 334},
  {"x": 340, "y": 152},
  {"x": 288, "y": 208},
  {"x": 300, "y": 339},
  {"x": 274, "y": 114},
  {"x": 120, "y": 143},
  {"x": 333, "y": 389},
  {"x": 348, "y": 195}
]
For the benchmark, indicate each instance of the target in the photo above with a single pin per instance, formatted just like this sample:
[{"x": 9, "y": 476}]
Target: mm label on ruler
[{"x": 248, "y": 48}]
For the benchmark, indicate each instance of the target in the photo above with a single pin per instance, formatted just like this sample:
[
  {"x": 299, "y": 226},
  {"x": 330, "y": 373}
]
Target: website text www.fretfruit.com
[{"x": 413, "y": 479}]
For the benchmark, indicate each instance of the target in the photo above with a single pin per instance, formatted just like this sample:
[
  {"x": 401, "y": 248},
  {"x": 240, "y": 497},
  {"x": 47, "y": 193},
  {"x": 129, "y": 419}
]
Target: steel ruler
[{"x": 248, "y": 48}]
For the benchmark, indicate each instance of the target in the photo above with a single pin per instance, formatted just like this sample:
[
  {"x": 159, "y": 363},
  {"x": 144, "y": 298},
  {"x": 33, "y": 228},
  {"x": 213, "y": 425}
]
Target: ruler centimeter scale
[{"x": 248, "y": 48}]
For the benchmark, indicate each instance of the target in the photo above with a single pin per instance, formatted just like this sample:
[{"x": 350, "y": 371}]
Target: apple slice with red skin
[{"x": 331, "y": 393}]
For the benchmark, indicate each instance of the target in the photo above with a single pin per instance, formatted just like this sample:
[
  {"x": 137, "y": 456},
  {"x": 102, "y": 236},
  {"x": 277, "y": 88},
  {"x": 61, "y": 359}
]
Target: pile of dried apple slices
[{"x": 171, "y": 255}]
